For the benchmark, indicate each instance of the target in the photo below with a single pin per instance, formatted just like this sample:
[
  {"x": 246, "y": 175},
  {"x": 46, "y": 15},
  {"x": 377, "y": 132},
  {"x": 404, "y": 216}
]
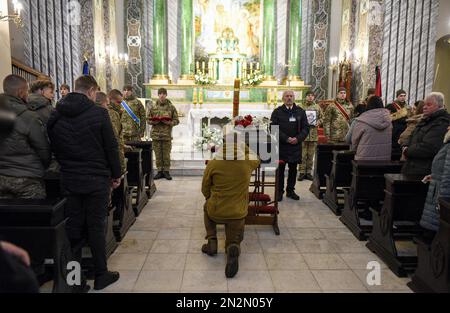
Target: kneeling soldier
[{"x": 163, "y": 117}]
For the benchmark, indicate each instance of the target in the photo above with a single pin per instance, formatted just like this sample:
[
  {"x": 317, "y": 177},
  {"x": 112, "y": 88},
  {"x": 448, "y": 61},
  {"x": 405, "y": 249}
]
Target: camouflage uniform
[
  {"x": 335, "y": 124},
  {"x": 115, "y": 114},
  {"x": 131, "y": 130},
  {"x": 310, "y": 144},
  {"x": 161, "y": 134},
  {"x": 22, "y": 188}
]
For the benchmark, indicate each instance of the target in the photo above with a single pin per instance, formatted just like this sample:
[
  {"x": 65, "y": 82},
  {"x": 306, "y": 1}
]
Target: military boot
[
  {"x": 232, "y": 267},
  {"x": 211, "y": 247},
  {"x": 160, "y": 175},
  {"x": 167, "y": 175}
]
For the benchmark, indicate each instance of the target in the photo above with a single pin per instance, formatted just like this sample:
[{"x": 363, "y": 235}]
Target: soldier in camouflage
[
  {"x": 163, "y": 117},
  {"x": 337, "y": 117},
  {"x": 315, "y": 116},
  {"x": 105, "y": 101},
  {"x": 133, "y": 130}
]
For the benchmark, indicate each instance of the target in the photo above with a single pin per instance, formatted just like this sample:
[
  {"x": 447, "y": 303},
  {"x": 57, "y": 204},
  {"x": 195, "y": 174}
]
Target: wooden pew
[
  {"x": 366, "y": 191},
  {"x": 124, "y": 217},
  {"x": 340, "y": 177},
  {"x": 147, "y": 164},
  {"x": 398, "y": 223},
  {"x": 323, "y": 165},
  {"x": 433, "y": 268},
  {"x": 136, "y": 180},
  {"x": 39, "y": 227}
]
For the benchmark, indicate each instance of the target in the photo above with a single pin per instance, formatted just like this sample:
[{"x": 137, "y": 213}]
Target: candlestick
[
  {"x": 204, "y": 67},
  {"x": 257, "y": 66},
  {"x": 198, "y": 67},
  {"x": 275, "y": 98},
  {"x": 236, "y": 100},
  {"x": 195, "y": 97}
]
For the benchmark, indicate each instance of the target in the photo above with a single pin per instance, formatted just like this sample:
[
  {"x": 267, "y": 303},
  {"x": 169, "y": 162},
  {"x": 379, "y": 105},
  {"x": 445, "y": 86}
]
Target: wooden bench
[
  {"x": 323, "y": 165},
  {"x": 136, "y": 180},
  {"x": 39, "y": 227},
  {"x": 124, "y": 217},
  {"x": 340, "y": 177},
  {"x": 395, "y": 226},
  {"x": 433, "y": 268},
  {"x": 147, "y": 164},
  {"x": 366, "y": 191}
]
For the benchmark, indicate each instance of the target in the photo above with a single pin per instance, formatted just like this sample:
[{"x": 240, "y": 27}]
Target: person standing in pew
[
  {"x": 84, "y": 144},
  {"x": 412, "y": 122},
  {"x": 362, "y": 107},
  {"x": 439, "y": 187},
  {"x": 225, "y": 186},
  {"x": 104, "y": 101},
  {"x": 309, "y": 147},
  {"x": 41, "y": 99},
  {"x": 64, "y": 90},
  {"x": 24, "y": 147},
  {"x": 399, "y": 114},
  {"x": 294, "y": 129},
  {"x": 371, "y": 133},
  {"x": 428, "y": 137},
  {"x": 337, "y": 118},
  {"x": 134, "y": 117},
  {"x": 163, "y": 117}
]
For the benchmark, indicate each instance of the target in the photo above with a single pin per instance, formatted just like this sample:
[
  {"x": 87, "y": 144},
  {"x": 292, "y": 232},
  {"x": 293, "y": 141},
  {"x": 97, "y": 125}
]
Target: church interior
[{"x": 116, "y": 116}]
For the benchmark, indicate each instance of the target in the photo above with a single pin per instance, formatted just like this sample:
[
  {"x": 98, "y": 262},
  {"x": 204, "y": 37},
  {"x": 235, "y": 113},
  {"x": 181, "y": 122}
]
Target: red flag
[{"x": 379, "y": 92}]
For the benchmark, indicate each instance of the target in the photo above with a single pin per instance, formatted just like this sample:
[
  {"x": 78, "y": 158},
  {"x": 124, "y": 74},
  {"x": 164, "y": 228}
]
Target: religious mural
[{"x": 216, "y": 19}]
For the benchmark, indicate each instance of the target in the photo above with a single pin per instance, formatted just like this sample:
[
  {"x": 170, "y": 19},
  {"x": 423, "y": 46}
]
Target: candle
[
  {"x": 203, "y": 67},
  {"x": 237, "y": 88},
  {"x": 257, "y": 66}
]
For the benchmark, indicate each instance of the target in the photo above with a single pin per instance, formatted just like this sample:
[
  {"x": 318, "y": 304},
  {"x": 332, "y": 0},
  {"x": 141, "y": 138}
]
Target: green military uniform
[
  {"x": 132, "y": 131},
  {"x": 161, "y": 133},
  {"x": 22, "y": 188},
  {"x": 335, "y": 123},
  {"x": 115, "y": 114},
  {"x": 309, "y": 146}
]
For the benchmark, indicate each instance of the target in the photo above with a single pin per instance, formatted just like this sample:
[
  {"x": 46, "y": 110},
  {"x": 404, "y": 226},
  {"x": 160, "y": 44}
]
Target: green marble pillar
[
  {"x": 295, "y": 35},
  {"x": 160, "y": 39},
  {"x": 187, "y": 39},
  {"x": 268, "y": 44}
]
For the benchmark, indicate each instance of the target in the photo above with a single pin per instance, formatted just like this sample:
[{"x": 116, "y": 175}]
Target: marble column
[
  {"x": 187, "y": 39},
  {"x": 5, "y": 45},
  {"x": 295, "y": 35},
  {"x": 160, "y": 40},
  {"x": 268, "y": 44}
]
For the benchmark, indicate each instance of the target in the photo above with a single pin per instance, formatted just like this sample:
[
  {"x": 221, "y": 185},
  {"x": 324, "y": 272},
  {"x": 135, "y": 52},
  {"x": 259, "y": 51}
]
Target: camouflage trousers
[
  {"x": 22, "y": 188},
  {"x": 308, "y": 153},
  {"x": 234, "y": 230},
  {"x": 162, "y": 149}
]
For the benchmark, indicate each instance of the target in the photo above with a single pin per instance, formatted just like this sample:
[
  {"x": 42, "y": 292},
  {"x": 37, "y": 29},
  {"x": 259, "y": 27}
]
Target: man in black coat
[
  {"x": 84, "y": 144},
  {"x": 428, "y": 137},
  {"x": 293, "y": 129},
  {"x": 399, "y": 114}
]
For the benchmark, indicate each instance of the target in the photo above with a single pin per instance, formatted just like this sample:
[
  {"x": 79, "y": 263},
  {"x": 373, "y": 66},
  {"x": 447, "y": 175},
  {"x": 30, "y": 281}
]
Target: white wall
[
  {"x": 5, "y": 45},
  {"x": 443, "y": 27}
]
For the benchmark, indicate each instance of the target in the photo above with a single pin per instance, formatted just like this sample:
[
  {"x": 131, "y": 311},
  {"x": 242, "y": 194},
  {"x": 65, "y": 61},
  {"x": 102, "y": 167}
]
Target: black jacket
[
  {"x": 25, "y": 150},
  {"x": 425, "y": 142},
  {"x": 398, "y": 127},
  {"x": 41, "y": 105},
  {"x": 298, "y": 129},
  {"x": 83, "y": 141}
]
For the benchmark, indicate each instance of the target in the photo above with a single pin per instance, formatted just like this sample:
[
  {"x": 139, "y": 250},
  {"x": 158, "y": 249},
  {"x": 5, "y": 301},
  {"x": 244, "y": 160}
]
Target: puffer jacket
[
  {"x": 83, "y": 141},
  {"x": 372, "y": 136},
  {"x": 424, "y": 143},
  {"x": 41, "y": 105},
  {"x": 24, "y": 151},
  {"x": 439, "y": 187}
]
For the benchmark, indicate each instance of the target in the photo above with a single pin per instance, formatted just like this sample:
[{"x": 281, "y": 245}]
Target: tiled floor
[{"x": 315, "y": 252}]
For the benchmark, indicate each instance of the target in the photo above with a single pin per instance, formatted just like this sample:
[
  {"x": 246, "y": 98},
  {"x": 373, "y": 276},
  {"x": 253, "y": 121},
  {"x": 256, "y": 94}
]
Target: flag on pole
[
  {"x": 86, "y": 69},
  {"x": 379, "y": 91}
]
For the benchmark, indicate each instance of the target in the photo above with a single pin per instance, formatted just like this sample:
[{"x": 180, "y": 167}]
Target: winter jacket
[
  {"x": 225, "y": 185},
  {"x": 371, "y": 136},
  {"x": 411, "y": 125},
  {"x": 439, "y": 187},
  {"x": 161, "y": 131},
  {"x": 83, "y": 140},
  {"x": 399, "y": 123},
  {"x": 424, "y": 143},
  {"x": 25, "y": 150},
  {"x": 295, "y": 129},
  {"x": 41, "y": 105}
]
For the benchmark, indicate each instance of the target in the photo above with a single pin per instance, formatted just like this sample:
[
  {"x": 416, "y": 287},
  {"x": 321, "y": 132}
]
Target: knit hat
[
  {"x": 401, "y": 92},
  {"x": 375, "y": 102}
]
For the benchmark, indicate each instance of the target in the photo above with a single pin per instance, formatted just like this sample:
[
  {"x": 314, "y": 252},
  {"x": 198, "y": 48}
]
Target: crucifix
[{"x": 288, "y": 66}]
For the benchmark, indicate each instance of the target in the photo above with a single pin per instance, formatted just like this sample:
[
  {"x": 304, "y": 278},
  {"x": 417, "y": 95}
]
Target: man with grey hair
[
  {"x": 294, "y": 129},
  {"x": 428, "y": 137}
]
